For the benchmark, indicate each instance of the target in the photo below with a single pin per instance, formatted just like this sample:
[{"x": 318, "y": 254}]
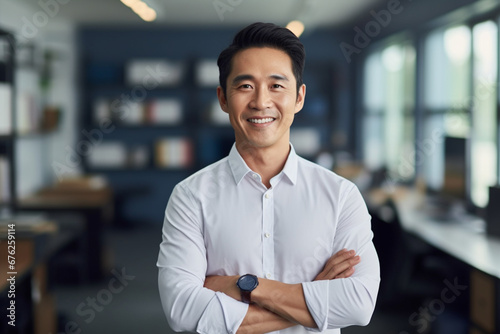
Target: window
[
  {"x": 388, "y": 103},
  {"x": 460, "y": 101},
  {"x": 446, "y": 103},
  {"x": 484, "y": 111}
]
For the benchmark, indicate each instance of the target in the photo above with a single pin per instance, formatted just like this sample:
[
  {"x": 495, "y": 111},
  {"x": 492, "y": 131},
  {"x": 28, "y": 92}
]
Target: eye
[
  {"x": 245, "y": 86},
  {"x": 277, "y": 86}
]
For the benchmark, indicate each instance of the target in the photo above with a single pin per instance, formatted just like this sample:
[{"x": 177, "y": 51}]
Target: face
[{"x": 261, "y": 98}]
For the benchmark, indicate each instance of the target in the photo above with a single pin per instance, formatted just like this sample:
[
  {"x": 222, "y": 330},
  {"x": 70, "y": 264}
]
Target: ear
[
  {"x": 222, "y": 99},
  {"x": 301, "y": 96}
]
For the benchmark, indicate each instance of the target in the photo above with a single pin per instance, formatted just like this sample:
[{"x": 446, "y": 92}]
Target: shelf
[
  {"x": 142, "y": 170},
  {"x": 147, "y": 126},
  {"x": 307, "y": 122},
  {"x": 6, "y": 137},
  {"x": 36, "y": 133},
  {"x": 116, "y": 87},
  {"x": 223, "y": 127}
]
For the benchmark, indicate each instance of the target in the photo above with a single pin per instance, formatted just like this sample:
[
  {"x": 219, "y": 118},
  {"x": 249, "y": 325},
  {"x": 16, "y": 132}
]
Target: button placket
[{"x": 268, "y": 228}]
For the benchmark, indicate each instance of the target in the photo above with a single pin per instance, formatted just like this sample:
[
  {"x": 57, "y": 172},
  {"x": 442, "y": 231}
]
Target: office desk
[
  {"x": 459, "y": 239},
  {"x": 463, "y": 241},
  {"x": 95, "y": 205},
  {"x": 35, "y": 307}
]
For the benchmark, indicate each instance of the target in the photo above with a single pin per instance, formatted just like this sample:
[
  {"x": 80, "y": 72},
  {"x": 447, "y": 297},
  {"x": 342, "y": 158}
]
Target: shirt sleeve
[
  {"x": 182, "y": 266},
  {"x": 349, "y": 301}
]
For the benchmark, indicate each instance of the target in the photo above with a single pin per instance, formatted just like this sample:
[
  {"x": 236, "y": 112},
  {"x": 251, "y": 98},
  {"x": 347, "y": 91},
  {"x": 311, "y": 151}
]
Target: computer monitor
[
  {"x": 450, "y": 199},
  {"x": 455, "y": 170}
]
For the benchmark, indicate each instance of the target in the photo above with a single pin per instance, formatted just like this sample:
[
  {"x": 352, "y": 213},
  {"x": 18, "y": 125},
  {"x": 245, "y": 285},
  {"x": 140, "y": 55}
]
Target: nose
[{"x": 261, "y": 99}]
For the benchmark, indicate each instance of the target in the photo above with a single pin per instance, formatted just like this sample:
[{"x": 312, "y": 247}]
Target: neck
[{"x": 266, "y": 161}]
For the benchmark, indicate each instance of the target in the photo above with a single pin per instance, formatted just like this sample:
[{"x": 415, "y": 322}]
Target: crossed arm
[
  {"x": 276, "y": 305},
  {"x": 338, "y": 296}
]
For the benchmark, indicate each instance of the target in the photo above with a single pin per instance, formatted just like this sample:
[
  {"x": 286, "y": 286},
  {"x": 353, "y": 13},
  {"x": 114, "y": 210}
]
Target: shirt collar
[{"x": 239, "y": 167}]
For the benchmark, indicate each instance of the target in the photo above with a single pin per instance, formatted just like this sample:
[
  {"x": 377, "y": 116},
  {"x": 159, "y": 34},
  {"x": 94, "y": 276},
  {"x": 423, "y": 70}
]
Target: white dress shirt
[{"x": 223, "y": 221}]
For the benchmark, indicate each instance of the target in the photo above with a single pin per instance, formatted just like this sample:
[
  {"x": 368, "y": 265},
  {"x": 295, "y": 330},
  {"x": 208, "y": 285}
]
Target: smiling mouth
[{"x": 261, "y": 120}]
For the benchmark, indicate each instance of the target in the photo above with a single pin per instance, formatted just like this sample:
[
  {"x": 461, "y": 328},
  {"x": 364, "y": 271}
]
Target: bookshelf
[{"x": 7, "y": 123}]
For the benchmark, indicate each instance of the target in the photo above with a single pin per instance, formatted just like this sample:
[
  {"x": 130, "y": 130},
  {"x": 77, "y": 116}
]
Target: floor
[{"x": 134, "y": 306}]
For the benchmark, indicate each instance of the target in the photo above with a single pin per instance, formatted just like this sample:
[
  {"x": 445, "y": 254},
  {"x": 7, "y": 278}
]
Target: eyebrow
[{"x": 243, "y": 77}]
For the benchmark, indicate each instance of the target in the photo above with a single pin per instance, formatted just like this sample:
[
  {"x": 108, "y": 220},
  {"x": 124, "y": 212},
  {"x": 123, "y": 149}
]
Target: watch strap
[{"x": 246, "y": 296}]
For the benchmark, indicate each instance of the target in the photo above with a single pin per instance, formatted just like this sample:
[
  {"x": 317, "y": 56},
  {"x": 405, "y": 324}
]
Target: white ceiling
[{"x": 313, "y": 13}]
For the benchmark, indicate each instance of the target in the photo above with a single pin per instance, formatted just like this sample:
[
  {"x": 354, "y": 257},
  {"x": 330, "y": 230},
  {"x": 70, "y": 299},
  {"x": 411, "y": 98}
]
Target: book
[
  {"x": 27, "y": 118},
  {"x": 152, "y": 73},
  {"x": 216, "y": 115},
  {"x": 173, "y": 152},
  {"x": 102, "y": 110},
  {"x": 207, "y": 73},
  {"x": 164, "y": 111},
  {"x": 5, "y": 109},
  {"x": 5, "y": 195},
  {"x": 132, "y": 113},
  {"x": 109, "y": 155}
]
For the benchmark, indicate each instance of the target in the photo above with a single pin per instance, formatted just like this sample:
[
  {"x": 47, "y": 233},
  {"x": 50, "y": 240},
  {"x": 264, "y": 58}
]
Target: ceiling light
[
  {"x": 457, "y": 44},
  {"x": 142, "y": 9},
  {"x": 149, "y": 15},
  {"x": 296, "y": 27},
  {"x": 129, "y": 3}
]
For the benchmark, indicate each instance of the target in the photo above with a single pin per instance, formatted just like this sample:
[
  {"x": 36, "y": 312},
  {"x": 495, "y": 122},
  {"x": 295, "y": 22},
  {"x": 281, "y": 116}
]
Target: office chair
[{"x": 410, "y": 270}]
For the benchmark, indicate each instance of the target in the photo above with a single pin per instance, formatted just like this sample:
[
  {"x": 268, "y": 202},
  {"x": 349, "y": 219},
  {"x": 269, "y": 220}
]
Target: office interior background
[{"x": 105, "y": 107}]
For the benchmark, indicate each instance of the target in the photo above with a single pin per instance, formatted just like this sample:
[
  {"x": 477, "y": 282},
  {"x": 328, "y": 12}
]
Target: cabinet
[{"x": 7, "y": 123}]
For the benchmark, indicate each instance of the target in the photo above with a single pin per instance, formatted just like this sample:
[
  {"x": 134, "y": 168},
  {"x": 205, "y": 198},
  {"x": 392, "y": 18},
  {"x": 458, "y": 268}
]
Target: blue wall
[{"x": 143, "y": 195}]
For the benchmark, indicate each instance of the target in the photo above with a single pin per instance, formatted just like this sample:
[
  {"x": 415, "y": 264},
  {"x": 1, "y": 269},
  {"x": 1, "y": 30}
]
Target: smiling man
[{"x": 263, "y": 240}]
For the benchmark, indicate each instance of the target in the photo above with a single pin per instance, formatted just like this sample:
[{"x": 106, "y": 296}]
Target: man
[{"x": 264, "y": 240}]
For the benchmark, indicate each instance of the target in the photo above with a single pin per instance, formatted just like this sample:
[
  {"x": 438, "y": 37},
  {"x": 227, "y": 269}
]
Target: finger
[
  {"x": 341, "y": 252},
  {"x": 208, "y": 281},
  {"x": 342, "y": 256},
  {"x": 338, "y": 258},
  {"x": 335, "y": 266},
  {"x": 347, "y": 273},
  {"x": 333, "y": 271},
  {"x": 341, "y": 267},
  {"x": 334, "y": 261}
]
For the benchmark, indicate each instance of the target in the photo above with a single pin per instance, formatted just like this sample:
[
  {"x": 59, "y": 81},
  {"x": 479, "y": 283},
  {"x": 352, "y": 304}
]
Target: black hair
[{"x": 263, "y": 35}]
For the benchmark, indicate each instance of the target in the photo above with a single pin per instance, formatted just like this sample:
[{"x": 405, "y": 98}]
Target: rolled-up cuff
[
  {"x": 316, "y": 295},
  {"x": 222, "y": 315}
]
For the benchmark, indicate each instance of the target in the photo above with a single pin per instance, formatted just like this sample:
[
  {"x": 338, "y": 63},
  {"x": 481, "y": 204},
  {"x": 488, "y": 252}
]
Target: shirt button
[
  {"x": 267, "y": 195},
  {"x": 267, "y": 235},
  {"x": 268, "y": 275},
  {"x": 255, "y": 176}
]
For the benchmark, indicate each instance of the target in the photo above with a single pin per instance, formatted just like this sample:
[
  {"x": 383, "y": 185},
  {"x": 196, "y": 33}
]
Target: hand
[
  {"x": 225, "y": 284},
  {"x": 340, "y": 265}
]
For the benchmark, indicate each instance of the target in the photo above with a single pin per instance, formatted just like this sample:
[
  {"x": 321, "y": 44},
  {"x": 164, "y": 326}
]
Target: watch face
[{"x": 247, "y": 282}]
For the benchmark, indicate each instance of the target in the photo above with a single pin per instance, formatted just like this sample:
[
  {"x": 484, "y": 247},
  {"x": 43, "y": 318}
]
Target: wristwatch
[{"x": 247, "y": 283}]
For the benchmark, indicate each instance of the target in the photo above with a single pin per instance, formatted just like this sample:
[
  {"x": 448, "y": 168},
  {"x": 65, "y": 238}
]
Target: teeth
[{"x": 260, "y": 120}]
